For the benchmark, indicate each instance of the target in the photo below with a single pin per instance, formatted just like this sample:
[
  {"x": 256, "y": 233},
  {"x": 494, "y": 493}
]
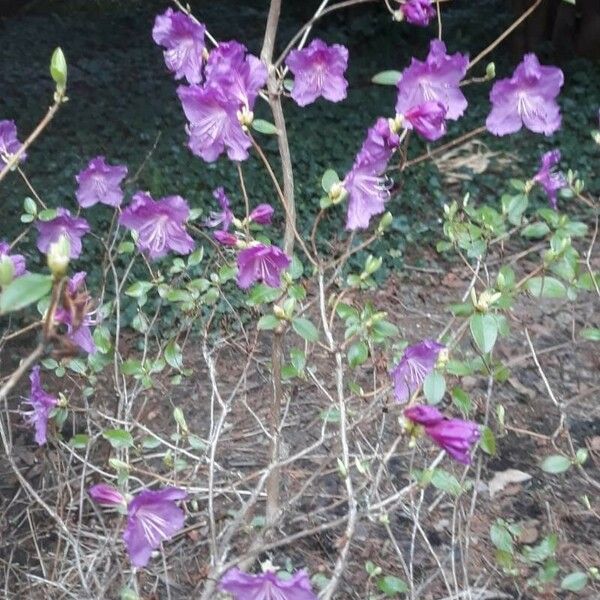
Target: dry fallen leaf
[{"x": 503, "y": 478}]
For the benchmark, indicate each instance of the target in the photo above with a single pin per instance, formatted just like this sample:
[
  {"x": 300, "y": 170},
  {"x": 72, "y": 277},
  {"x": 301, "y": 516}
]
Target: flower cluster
[
  {"x": 318, "y": 71},
  {"x": 416, "y": 363},
  {"x": 455, "y": 436},
  {"x": 219, "y": 110},
  {"x": 152, "y": 518}
]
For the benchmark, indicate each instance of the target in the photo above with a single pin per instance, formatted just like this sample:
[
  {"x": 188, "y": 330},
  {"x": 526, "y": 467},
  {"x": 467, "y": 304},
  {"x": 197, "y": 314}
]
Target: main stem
[{"x": 273, "y": 485}]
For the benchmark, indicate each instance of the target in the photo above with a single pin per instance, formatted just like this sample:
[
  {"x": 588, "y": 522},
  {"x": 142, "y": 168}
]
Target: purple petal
[
  {"x": 100, "y": 182},
  {"x": 101, "y": 493},
  {"x": 265, "y": 586}
]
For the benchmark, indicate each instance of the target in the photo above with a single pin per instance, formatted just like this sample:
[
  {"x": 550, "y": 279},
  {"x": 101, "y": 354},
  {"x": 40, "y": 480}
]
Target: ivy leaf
[
  {"x": 305, "y": 329},
  {"x": 484, "y": 329},
  {"x": 23, "y": 291}
]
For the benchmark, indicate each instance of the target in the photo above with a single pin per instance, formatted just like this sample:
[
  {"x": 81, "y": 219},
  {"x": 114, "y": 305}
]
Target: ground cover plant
[{"x": 218, "y": 382}]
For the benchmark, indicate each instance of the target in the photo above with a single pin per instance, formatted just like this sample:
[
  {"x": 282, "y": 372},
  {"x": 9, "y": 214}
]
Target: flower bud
[
  {"x": 58, "y": 256},
  {"x": 106, "y": 494},
  {"x": 337, "y": 192},
  {"x": 490, "y": 71},
  {"x": 398, "y": 15},
  {"x": 7, "y": 270},
  {"x": 396, "y": 123},
  {"x": 279, "y": 312},
  {"x": 245, "y": 116}
]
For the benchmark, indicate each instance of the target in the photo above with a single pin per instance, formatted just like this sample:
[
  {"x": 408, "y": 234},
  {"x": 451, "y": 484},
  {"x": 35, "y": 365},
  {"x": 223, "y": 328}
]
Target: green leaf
[
  {"x": 267, "y": 322},
  {"x": 131, "y": 367},
  {"x": 434, "y": 387},
  {"x": 305, "y": 329},
  {"x": 102, "y": 339},
  {"x": 173, "y": 355},
  {"x": 546, "y": 287},
  {"x": 387, "y": 77},
  {"x": 118, "y": 438},
  {"x": 29, "y": 206},
  {"x": 574, "y": 582},
  {"x": 488, "y": 441},
  {"x": 442, "y": 480},
  {"x": 195, "y": 258},
  {"x": 261, "y": 294},
  {"x": 501, "y": 538},
  {"x": 180, "y": 418},
  {"x": 462, "y": 400},
  {"x": 265, "y": 127},
  {"x": 58, "y": 69},
  {"x": 47, "y": 214},
  {"x": 358, "y": 354},
  {"x": 127, "y": 593},
  {"x": 77, "y": 365},
  {"x": 545, "y": 549},
  {"x": 23, "y": 291},
  {"x": 81, "y": 440},
  {"x": 591, "y": 334},
  {"x": 139, "y": 288},
  {"x": 484, "y": 329},
  {"x": 392, "y": 586},
  {"x": 555, "y": 464},
  {"x": 330, "y": 178},
  {"x": 535, "y": 230}
]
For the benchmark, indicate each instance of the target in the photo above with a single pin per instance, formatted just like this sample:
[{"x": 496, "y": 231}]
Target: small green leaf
[
  {"x": 591, "y": 334},
  {"x": 180, "y": 419},
  {"x": 305, "y": 329},
  {"x": 58, "y": 69},
  {"x": 545, "y": 549},
  {"x": 29, "y": 206},
  {"x": 555, "y": 464},
  {"x": 173, "y": 355},
  {"x": 484, "y": 329},
  {"x": 546, "y": 287},
  {"x": 358, "y": 354},
  {"x": 267, "y": 322},
  {"x": 535, "y": 230},
  {"x": 462, "y": 400},
  {"x": 488, "y": 441},
  {"x": 574, "y": 582},
  {"x": 77, "y": 365},
  {"x": 265, "y": 127},
  {"x": 23, "y": 291},
  {"x": 446, "y": 482},
  {"x": 118, "y": 438},
  {"x": 330, "y": 178},
  {"x": 81, "y": 440},
  {"x": 392, "y": 586},
  {"x": 387, "y": 77},
  {"x": 47, "y": 214},
  {"x": 138, "y": 289},
  {"x": 501, "y": 537},
  {"x": 434, "y": 387}
]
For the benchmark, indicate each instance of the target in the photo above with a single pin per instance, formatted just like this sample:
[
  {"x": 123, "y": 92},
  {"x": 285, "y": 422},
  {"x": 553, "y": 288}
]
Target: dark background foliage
[{"x": 123, "y": 104}]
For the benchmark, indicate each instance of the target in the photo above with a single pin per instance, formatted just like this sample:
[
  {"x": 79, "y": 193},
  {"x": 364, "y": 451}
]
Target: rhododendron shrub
[{"x": 337, "y": 394}]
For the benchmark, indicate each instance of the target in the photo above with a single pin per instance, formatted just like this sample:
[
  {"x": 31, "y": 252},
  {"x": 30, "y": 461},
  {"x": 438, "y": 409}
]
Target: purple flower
[
  {"x": 365, "y": 183},
  {"x": 318, "y": 71},
  {"x": 183, "y": 40},
  {"x": 417, "y": 12},
  {"x": 427, "y": 119},
  {"x": 261, "y": 263},
  {"x": 218, "y": 111},
  {"x": 235, "y": 72},
  {"x": 79, "y": 315},
  {"x": 225, "y": 238},
  {"x": 158, "y": 224},
  {"x": 42, "y": 404},
  {"x": 550, "y": 180},
  {"x": 527, "y": 98},
  {"x": 18, "y": 260},
  {"x": 213, "y": 124},
  {"x": 101, "y": 493},
  {"x": 73, "y": 228},
  {"x": 266, "y": 586},
  {"x": 9, "y": 144},
  {"x": 152, "y": 517},
  {"x": 225, "y": 217},
  {"x": 416, "y": 363},
  {"x": 100, "y": 182},
  {"x": 436, "y": 79},
  {"x": 455, "y": 436},
  {"x": 262, "y": 214}
]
